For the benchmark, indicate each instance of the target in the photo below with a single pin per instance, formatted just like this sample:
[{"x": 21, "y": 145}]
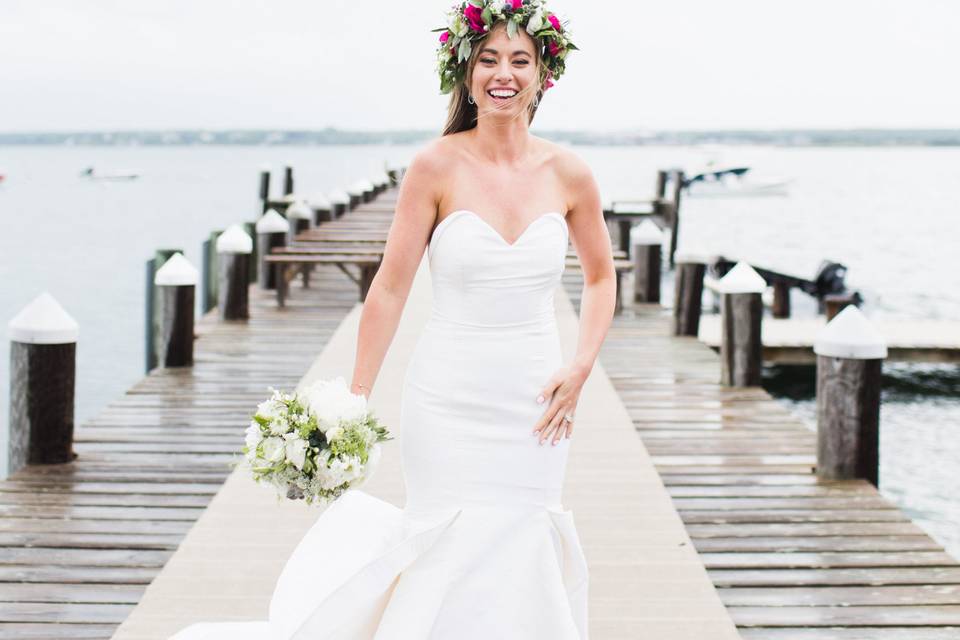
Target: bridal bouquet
[{"x": 315, "y": 444}]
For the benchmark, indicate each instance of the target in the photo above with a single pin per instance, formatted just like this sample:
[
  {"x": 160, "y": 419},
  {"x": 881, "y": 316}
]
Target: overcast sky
[{"x": 677, "y": 64}]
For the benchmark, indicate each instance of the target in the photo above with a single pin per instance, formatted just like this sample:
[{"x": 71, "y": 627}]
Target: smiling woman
[{"x": 501, "y": 77}]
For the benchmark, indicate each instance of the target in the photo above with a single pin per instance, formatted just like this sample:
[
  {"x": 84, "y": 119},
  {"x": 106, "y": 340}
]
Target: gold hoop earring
[{"x": 536, "y": 101}]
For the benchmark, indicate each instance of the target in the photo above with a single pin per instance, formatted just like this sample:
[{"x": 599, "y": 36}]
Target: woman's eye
[
  {"x": 487, "y": 60},
  {"x": 522, "y": 62}
]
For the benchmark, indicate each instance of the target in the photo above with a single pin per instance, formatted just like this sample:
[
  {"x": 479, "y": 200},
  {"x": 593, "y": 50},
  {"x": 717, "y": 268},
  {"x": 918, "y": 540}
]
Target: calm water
[{"x": 888, "y": 214}]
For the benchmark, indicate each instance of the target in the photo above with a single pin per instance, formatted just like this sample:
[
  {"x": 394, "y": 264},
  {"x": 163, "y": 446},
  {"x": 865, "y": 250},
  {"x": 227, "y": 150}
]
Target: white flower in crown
[
  {"x": 334, "y": 433},
  {"x": 535, "y": 23},
  {"x": 332, "y": 402}
]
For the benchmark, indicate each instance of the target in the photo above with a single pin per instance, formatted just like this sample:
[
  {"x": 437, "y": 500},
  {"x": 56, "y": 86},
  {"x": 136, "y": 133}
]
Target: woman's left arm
[{"x": 591, "y": 240}]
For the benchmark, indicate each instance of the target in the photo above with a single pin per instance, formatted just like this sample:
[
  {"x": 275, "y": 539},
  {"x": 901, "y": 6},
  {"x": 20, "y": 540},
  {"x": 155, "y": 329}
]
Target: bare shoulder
[{"x": 569, "y": 167}]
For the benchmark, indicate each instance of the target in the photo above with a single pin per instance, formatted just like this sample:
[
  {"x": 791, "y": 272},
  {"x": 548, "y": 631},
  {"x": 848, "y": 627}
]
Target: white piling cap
[
  {"x": 234, "y": 240},
  {"x": 43, "y": 321},
  {"x": 850, "y": 335},
  {"x": 742, "y": 279},
  {"x": 299, "y": 209},
  {"x": 339, "y": 197},
  {"x": 366, "y": 185},
  {"x": 646, "y": 233},
  {"x": 318, "y": 201},
  {"x": 290, "y": 198},
  {"x": 176, "y": 271},
  {"x": 272, "y": 222},
  {"x": 689, "y": 255},
  {"x": 355, "y": 189}
]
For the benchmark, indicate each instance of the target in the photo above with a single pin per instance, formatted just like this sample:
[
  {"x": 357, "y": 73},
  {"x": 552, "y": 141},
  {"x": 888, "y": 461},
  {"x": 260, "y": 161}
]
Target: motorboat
[
  {"x": 91, "y": 174},
  {"x": 733, "y": 182}
]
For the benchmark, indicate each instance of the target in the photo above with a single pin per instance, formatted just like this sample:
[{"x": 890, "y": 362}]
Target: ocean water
[{"x": 889, "y": 214}]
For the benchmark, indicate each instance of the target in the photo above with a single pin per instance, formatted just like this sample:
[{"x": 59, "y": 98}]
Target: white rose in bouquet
[{"x": 332, "y": 402}]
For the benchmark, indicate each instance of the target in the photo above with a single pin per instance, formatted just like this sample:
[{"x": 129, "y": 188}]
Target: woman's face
[{"x": 504, "y": 67}]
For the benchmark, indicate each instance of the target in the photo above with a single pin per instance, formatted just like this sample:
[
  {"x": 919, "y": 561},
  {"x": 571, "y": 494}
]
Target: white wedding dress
[{"x": 483, "y": 548}]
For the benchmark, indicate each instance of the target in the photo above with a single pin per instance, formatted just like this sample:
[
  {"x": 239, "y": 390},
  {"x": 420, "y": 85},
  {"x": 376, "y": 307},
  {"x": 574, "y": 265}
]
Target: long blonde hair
[{"x": 461, "y": 115}]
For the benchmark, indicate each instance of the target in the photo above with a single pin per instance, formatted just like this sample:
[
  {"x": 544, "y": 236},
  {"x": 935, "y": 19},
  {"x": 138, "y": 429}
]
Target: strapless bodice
[{"x": 481, "y": 279}]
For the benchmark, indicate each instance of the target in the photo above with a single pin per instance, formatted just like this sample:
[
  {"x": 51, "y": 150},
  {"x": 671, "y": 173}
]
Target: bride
[{"x": 483, "y": 547}]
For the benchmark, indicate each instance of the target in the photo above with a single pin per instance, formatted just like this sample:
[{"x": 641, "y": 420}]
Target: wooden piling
[
  {"x": 264, "y": 189},
  {"x": 741, "y": 310},
  {"x": 781, "y": 299},
  {"x": 677, "y": 190},
  {"x": 646, "y": 241},
  {"x": 834, "y": 303},
  {"x": 176, "y": 283},
  {"x": 43, "y": 357},
  {"x": 850, "y": 356},
  {"x": 688, "y": 293},
  {"x": 153, "y": 265},
  {"x": 272, "y": 231},
  {"x": 300, "y": 217},
  {"x": 233, "y": 254},
  {"x": 287, "y": 180},
  {"x": 209, "y": 273},
  {"x": 322, "y": 209}
]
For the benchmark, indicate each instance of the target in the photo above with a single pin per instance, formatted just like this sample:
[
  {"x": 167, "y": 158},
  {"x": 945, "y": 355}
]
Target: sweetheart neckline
[{"x": 493, "y": 230}]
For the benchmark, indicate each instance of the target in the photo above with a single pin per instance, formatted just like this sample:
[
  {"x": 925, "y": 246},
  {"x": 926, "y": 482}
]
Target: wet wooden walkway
[
  {"x": 80, "y": 542},
  {"x": 792, "y": 558}
]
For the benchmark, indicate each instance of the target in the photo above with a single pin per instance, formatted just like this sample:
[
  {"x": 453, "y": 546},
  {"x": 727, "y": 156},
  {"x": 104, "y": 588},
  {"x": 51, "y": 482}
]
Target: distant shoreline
[{"x": 266, "y": 137}]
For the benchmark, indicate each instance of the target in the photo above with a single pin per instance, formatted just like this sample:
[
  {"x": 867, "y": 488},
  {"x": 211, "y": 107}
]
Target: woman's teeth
[{"x": 501, "y": 94}]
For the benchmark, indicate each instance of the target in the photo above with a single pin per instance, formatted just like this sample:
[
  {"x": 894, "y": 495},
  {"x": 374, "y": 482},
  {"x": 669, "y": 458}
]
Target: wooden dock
[
  {"x": 790, "y": 340},
  {"x": 130, "y": 540},
  {"x": 80, "y": 542},
  {"x": 792, "y": 558}
]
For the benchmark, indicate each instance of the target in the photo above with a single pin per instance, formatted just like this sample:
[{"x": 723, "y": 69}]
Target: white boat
[
  {"x": 733, "y": 182},
  {"x": 91, "y": 174}
]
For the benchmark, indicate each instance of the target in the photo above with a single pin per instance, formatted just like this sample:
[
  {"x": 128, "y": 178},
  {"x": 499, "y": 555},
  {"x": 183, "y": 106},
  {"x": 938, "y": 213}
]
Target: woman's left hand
[{"x": 563, "y": 390}]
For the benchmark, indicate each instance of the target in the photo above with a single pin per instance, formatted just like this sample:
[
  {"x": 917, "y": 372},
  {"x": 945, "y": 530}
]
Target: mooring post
[
  {"x": 678, "y": 179},
  {"x": 834, "y": 303},
  {"x": 781, "y": 300},
  {"x": 850, "y": 356},
  {"x": 264, "y": 188},
  {"x": 287, "y": 180},
  {"x": 233, "y": 254},
  {"x": 741, "y": 312},
  {"x": 160, "y": 256},
  {"x": 355, "y": 195},
  {"x": 272, "y": 231},
  {"x": 660, "y": 188},
  {"x": 322, "y": 209},
  {"x": 688, "y": 293},
  {"x": 210, "y": 291},
  {"x": 176, "y": 283},
  {"x": 646, "y": 241},
  {"x": 300, "y": 216},
  {"x": 43, "y": 364},
  {"x": 340, "y": 200}
]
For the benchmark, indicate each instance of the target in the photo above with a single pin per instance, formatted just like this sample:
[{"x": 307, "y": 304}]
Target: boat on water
[
  {"x": 733, "y": 182},
  {"x": 91, "y": 174}
]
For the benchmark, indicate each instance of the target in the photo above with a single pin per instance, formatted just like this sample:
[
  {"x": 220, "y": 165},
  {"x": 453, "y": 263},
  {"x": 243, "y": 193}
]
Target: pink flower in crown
[
  {"x": 444, "y": 36},
  {"x": 548, "y": 85},
  {"x": 553, "y": 47},
  {"x": 473, "y": 14},
  {"x": 516, "y": 4},
  {"x": 555, "y": 22}
]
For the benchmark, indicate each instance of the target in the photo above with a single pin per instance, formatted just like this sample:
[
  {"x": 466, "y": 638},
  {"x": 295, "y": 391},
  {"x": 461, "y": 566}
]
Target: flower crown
[{"x": 472, "y": 20}]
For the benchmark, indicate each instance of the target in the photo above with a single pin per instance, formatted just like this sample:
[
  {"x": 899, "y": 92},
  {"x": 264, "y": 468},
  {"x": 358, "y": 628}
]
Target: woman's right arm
[{"x": 416, "y": 211}]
